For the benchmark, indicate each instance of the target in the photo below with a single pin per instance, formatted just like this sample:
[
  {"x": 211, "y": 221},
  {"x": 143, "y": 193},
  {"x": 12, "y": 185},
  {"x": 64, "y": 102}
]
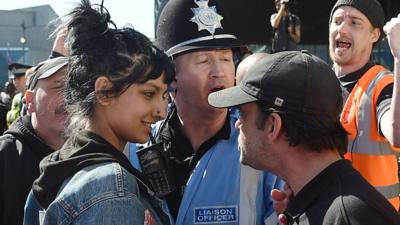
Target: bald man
[{"x": 246, "y": 63}]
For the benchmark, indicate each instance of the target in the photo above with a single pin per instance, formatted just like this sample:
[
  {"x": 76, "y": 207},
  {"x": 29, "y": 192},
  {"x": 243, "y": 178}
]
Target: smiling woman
[{"x": 113, "y": 94}]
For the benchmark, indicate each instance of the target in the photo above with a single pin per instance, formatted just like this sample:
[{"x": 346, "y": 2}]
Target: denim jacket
[{"x": 103, "y": 193}]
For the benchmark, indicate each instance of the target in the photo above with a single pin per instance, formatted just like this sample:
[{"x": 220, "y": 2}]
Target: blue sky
[{"x": 139, "y": 13}]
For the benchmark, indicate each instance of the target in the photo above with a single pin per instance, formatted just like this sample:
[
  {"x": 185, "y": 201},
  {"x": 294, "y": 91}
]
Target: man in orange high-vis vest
[{"x": 372, "y": 110}]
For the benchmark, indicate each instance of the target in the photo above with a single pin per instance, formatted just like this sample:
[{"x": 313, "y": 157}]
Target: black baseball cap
[
  {"x": 18, "y": 69},
  {"x": 294, "y": 81},
  {"x": 187, "y": 25},
  {"x": 46, "y": 69}
]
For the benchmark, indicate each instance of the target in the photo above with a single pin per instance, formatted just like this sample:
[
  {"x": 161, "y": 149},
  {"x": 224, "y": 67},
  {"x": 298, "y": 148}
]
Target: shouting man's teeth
[{"x": 343, "y": 44}]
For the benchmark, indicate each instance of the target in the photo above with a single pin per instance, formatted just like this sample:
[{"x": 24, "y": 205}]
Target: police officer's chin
[{"x": 241, "y": 158}]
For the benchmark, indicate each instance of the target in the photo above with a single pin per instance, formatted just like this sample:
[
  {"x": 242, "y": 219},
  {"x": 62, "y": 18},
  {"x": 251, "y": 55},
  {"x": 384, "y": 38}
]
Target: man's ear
[
  {"x": 102, "y": 85},
  {"x": 275, "y": 126},
  {"x": 376, "y": 33},
  {"x": 30, "y": 100}
]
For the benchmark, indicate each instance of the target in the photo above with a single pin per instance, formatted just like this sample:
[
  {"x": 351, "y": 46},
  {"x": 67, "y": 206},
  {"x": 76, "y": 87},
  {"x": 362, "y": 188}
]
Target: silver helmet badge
[{"x": 206, "y": 17}]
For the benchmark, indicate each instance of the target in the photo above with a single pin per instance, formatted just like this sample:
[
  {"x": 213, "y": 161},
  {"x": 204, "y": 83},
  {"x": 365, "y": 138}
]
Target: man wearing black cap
[
  {"x": 200, "y": 140},
  {"x": 31, "y": 137},
  {"x": 289, "y": 124},
  {"x": 18, "y": 77},
  {"x": 371, "y": 113}
]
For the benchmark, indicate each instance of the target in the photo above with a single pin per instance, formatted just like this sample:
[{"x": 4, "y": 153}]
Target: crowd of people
[{"x": 115, "y": 129}]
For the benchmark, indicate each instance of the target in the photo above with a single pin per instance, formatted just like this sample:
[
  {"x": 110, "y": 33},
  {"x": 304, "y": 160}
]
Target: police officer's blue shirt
[{"x": 218, "y": 189}]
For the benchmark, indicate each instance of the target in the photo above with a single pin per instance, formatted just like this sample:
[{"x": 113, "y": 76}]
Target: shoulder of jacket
[
  {"x": 95, "y": 184},
  {"x": 9, "y": 142},
  {"x": 378, "y": 76},
  {"x": 104, "y": 177},
  {"x": 379, "y": 70},
  {"x": 6, "y": 137}
]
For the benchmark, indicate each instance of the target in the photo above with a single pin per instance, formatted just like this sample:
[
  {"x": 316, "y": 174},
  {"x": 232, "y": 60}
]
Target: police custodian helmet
[{"x": 186, "y": 25}]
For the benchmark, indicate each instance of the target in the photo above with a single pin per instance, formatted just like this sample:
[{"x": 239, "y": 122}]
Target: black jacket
[
  {"x": 339, "y": 195},
  {"x": 21, "y": 150}
]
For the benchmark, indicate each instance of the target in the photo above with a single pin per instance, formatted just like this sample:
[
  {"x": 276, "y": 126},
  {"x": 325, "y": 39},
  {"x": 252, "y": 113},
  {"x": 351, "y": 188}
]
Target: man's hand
[
  {"x": 392, "y": 30},
  {"x": 281, "y": 200},
  {"x": 391, "y": 119},
  {"x": 283, "y": 5}
]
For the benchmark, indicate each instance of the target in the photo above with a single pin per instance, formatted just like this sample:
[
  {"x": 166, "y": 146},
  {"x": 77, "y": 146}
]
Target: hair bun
[{"x": 88, "y": 28}]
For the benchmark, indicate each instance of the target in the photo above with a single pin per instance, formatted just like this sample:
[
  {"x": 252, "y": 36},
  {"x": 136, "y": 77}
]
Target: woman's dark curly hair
[{"x": 97, "y": 48}]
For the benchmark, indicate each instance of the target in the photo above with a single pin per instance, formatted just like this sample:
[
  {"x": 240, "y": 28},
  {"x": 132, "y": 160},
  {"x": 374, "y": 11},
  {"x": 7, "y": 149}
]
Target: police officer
[
  {"x": 201, "y": 141},
  {"x": 17, "y": 71}
]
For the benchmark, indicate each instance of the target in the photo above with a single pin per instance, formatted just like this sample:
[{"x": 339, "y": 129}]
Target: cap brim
[
  {"x": 230, "y": 97},
  {"x": 46, "y": 69},
  {"x": 56, "y": 65}
]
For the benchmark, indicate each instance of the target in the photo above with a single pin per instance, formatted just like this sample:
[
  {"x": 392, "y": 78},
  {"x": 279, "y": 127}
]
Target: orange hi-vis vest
[{"x": 370, "y": 153}]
